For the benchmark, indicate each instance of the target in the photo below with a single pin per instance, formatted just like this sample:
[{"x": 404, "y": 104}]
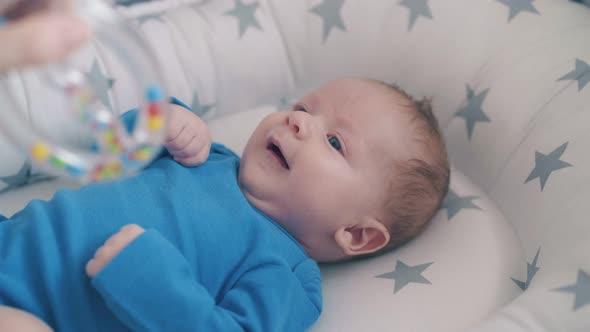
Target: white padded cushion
[{"x": 472, "y": 254}]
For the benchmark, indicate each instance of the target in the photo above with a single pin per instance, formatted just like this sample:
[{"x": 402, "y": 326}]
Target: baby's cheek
[{"x": 316, "y": 203}]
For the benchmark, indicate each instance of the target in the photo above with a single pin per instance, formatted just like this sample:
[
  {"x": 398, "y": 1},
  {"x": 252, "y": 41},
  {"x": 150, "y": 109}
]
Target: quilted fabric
[{"x": 509, "y": 80}]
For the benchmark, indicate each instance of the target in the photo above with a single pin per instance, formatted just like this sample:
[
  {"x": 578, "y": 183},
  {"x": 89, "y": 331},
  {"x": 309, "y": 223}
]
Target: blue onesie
[{"x": 209, "y": 261}]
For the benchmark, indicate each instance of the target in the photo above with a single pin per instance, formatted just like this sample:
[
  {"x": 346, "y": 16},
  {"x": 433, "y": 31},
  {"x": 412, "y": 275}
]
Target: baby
[{"x": 355, "y": 169}]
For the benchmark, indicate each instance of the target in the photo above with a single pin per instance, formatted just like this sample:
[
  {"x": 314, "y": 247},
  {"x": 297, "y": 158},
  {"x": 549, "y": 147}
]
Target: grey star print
[
  {"x": 581, "y": 74},
  {"x": 246, "y": 16},
  {"x": 417, "y": 8},
  {"x": 18, "y": 179},
  {"x": 473, "y": 112},
  {"x": 545, "y": 164},
  {"x": 330, "y": 12},
  {"x": 405, "y": 274},
  {"x": 199, "y": 109},
  {"x": 100, "y": 83},
  {"x": 517, "y": 6},
  {"x": 531, "y": 270},
  {"x": 455, "y": 203},
  {"x": 23, "y": 177},
  {"x": 581, "y": 290}
]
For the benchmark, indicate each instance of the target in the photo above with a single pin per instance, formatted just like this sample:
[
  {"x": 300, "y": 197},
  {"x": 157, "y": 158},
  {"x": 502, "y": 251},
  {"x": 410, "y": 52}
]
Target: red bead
[{"x": 154, "y": 109}]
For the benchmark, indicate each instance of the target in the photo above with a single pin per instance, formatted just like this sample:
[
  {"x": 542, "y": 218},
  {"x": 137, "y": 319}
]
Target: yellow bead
[
  {"x": 40, "y": 151},
  {"x": 137, "y": 156},
  {"x": 155, "y": 123},
  {"x": 113, "y": 165}
]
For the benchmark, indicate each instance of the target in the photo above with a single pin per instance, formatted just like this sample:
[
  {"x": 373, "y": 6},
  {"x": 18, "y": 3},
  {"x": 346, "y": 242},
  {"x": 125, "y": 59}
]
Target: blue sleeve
[{"x": 150, "y": 287}]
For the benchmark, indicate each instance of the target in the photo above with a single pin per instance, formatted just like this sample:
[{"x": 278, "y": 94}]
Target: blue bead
[
  {"x": 129, "y": 164},
  {"x": 94, "y": 148},
  {"x": 73, "y": 170},
  {"x": 154, "y": 93},
  {"x": 102, "y": 126},
  {"x": 3, "y": 20}
]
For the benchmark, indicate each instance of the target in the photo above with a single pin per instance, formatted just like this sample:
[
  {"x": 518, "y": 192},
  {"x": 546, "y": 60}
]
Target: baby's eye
[
  {"x": 299, "y": 108},
  {"x": 335, "y": 142}
]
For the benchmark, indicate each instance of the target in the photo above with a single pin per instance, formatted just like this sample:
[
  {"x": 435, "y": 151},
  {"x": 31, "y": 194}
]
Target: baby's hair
[{"x": 417, "y": 186}]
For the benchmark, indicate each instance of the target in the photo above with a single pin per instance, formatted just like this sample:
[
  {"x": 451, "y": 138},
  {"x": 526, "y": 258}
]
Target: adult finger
[{"x": 40, "y": 38}]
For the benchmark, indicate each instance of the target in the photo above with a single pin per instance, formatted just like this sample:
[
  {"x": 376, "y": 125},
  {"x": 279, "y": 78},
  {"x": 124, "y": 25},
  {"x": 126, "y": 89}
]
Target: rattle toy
[{"x": 106, "y": 150}]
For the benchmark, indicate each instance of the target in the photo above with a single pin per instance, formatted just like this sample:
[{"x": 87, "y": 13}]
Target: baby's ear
[{"x": 366, "y": 237}]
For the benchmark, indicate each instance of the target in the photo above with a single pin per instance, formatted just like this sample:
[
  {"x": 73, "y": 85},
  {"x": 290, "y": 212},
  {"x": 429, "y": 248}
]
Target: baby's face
[{"x": 322, "y": 165}]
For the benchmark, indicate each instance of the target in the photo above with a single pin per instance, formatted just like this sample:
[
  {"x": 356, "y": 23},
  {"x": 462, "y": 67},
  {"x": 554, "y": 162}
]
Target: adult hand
[{"x": 39, "y": 37}]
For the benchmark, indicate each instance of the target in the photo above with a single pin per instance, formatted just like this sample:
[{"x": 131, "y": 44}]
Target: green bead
[{"x": 58, "y": 162}]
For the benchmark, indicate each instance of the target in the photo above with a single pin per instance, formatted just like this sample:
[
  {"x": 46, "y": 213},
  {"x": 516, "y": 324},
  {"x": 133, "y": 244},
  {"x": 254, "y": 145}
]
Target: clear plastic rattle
[{"x": 101, "y": 148}]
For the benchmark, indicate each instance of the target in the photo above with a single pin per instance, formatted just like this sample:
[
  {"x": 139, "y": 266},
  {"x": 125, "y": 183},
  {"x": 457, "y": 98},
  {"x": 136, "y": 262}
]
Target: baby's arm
[
  {"x": 188, "y": 138},
  {"x": 150, "y": 286}
]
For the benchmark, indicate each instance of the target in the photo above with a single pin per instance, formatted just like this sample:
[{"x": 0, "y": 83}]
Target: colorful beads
[
  {"x": 112, "y": 141},
  {"x": 155, "y": 119},
  {"x": 109, "y": 170},
  {"x": 41, "y": 152},
  {"x": 109, "y": 136},
  {"x": 142, "y": 153}
]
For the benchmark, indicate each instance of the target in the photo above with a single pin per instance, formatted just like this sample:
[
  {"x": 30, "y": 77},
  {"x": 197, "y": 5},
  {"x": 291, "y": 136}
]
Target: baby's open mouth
[{"x": 277, "y": 152}]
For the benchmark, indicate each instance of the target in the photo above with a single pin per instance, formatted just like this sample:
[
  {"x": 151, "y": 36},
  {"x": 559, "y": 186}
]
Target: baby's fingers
[
  {"x": 197, "y": 157},
  {"x": 191, "y": 149},
  {"x": 188, "y": 143},
  {"x": 180, "y": 142}
]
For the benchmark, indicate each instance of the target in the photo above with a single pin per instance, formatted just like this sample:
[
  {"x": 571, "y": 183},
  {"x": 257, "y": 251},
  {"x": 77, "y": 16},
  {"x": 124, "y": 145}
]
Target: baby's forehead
[
  {"x": 351, "y": 96},
  {"x": 380, "y": 116}
]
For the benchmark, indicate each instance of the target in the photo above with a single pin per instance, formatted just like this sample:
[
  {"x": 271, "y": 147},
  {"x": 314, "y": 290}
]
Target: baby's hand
[
  {"x": 112, "y": 247},
  {"x": 188, "y": 138}
]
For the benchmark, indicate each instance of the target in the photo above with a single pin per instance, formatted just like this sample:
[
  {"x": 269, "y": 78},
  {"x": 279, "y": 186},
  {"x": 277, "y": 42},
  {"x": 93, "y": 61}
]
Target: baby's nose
[{"x": 298, "y": 122}]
